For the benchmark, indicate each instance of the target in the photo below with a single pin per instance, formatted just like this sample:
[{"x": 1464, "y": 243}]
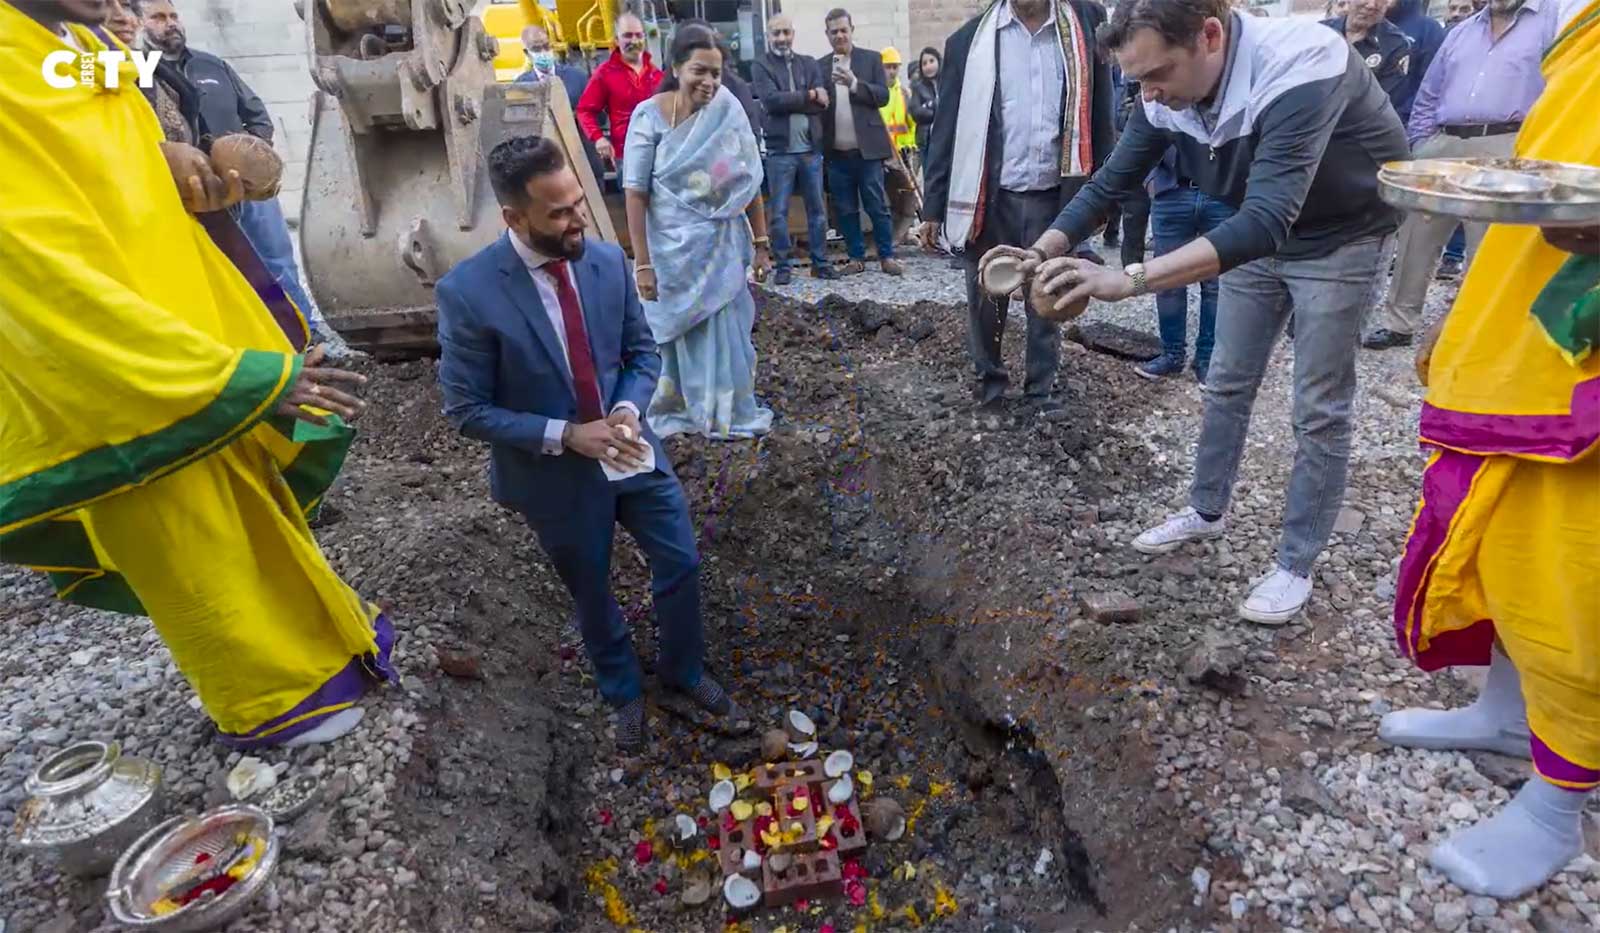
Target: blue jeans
[
  {"x": 1178, "y": 216},
  {"x": 784, "y": 170},
  {"x": 855, "y": 183},
  {"x": 1457, "y": 247},
  {"x": 264, "y": 226}
]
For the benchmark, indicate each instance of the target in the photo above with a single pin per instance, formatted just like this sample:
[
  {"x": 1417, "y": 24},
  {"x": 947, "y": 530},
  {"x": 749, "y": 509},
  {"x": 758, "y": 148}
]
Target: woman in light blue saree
[{"x": 692, "y": 176}]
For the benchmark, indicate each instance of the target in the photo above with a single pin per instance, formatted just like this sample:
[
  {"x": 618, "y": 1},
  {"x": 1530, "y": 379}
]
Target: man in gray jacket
[{"x": 793, "y": 99}]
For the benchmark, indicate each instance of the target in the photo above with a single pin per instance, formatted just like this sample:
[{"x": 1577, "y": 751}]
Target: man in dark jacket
[
  {"x": 1000, "y": 177},
  {"x": 790, "y": 89},
  {"x": 1381, "y": 44},
  {"x": 856, "y": 143},
  {"x": 1426, "y": 35},
  {"x": 228, "y": 105}
]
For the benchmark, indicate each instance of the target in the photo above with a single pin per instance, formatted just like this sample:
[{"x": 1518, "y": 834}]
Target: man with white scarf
[
  {"x": 1031, "y": 117},
  {"x": 1286, "y": 123}
]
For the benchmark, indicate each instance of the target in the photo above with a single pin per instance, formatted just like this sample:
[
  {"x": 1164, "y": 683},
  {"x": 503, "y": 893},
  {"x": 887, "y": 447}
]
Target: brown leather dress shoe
[{"x": 892, "y": 267}]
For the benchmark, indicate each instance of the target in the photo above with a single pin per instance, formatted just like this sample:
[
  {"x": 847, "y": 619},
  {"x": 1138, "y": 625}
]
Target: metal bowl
[
  {"x": 165, "y": 855},
  {"x": 1577, "y": 177},
  {"x": 1502, "y": 184}
]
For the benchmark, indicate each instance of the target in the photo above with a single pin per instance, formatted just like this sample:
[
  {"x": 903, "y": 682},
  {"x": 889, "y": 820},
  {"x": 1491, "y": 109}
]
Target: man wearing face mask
[
  {"x": 621, "y": 83},
  {"x": 793, "y": 98},
  {"x": 1285, "y": 123},
  {"x": 543, "y": 65},
  {"x": 545, "y": 353},
  {"x": 1471, "y": 103}
]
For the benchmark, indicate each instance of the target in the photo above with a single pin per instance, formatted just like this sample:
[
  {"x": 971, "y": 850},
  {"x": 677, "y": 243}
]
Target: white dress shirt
[
  {"x": 1032, "y": 77},
  {"x": 545, "y": 281}
]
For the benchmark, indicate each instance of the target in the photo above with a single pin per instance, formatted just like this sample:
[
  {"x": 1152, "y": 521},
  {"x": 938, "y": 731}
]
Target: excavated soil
[{"x": 905, "y": 575}]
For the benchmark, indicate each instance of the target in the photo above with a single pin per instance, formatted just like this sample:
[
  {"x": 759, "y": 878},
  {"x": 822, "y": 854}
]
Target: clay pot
[
  {"x": 884, "y": 819},
  {"x": 774, "y": 745},
  {"x": 258, "y": 164}
]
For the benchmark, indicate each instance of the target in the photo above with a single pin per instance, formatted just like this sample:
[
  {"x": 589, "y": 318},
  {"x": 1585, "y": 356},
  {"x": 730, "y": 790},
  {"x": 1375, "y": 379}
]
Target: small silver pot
[{"x": 88, "y": 801}]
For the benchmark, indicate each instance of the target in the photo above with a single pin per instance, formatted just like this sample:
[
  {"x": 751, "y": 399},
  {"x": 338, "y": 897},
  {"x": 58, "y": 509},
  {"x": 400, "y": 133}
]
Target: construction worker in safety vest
[{"x": 896, "y": 116}]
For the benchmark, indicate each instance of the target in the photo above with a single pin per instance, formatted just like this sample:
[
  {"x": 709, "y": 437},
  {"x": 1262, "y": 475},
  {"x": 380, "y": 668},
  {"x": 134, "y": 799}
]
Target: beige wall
[
  {"x": 932, "y": 22},
  {"x": 878, "y": 23}
]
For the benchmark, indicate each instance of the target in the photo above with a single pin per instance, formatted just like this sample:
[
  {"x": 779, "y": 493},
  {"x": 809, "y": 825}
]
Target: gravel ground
[{"x": 1182, "y": 769}]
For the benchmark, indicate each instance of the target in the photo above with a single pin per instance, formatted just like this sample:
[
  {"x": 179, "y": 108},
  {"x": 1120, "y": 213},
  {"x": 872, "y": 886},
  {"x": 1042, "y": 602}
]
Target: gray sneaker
[{"x": 337, "y": 350}]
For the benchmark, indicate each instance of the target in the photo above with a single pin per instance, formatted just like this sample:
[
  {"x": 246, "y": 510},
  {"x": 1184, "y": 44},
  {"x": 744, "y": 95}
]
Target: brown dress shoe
[
  {"x": 851, "y": 267},
  {"x": 892, "y": 267}
]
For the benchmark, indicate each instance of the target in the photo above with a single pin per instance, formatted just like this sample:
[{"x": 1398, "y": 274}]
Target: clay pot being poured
[
  {"x": 1049, "y": 303},
  {"x": 258, "y": 164}
]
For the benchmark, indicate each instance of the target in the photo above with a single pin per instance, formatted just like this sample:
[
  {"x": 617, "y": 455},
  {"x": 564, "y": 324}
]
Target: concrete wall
[
  {"x": 265, "y": 41},
  {"x": 932, "y": 22},
  {"x": 878, "y": 23}
]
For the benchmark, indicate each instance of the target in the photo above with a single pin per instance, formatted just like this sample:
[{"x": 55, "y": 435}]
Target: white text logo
[{"x": 63, "y": 69}]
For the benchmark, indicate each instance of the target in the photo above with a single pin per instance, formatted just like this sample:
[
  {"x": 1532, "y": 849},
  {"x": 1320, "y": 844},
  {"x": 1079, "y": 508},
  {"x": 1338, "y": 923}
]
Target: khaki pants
[{"x": 1423, "y": 236}]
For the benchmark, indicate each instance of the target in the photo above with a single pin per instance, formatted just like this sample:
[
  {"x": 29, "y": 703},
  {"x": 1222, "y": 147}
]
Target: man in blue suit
[{"x": 545, "y": 354}]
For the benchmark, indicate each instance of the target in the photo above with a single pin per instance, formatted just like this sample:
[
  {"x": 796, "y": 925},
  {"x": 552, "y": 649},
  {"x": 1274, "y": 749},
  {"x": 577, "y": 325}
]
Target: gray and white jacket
[{"x": 1293, "y": 138}]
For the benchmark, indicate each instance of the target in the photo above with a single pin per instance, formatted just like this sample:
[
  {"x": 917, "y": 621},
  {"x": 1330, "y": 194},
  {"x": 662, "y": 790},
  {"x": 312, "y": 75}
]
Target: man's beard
[
  {"x": 783, "y": 51},
  {"x": 172, "y": 42},
  {"x": 556, "y": 245},
  {"x": 1505, "y": 6}
]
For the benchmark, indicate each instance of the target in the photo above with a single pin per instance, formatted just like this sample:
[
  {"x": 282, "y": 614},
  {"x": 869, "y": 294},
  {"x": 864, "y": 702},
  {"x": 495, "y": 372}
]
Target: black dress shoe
[
  {"x": 1448, "y": 269},
  {"x": 824, "y": 271},
  {"x": 782, "y": 276},
  {"x": 1384, "y": 339}
]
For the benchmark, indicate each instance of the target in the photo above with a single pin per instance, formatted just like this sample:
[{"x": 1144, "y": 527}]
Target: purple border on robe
[
  {"x": 225, "y": 232},
  {"x": 1556, "y": 437},
  {"x": 1552, "y": 766},
  {"x": 1445, "y": 485},
  {"x": 347, "y": 686}
]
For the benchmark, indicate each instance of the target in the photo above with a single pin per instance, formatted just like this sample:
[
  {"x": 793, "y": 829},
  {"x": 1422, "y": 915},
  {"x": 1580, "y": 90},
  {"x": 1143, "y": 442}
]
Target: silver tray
[{"x": 1571, "y": 198}]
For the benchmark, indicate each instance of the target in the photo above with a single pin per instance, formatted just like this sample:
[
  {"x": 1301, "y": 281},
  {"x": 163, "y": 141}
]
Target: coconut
[
  {"x": 722, "y": 794},
  {"x": 780, "y": 862},
  {"x": 801, "y": 727},
  {"x": 250, "y": 776},
  {"x": 884, "y": 819},
  {"x": 774, "y": 745},
  {"x": 1003, "y": 275},
  {"x": 751, "y": 861},
  {"x": 837, "y": 763},
  {"x": 259, "y": 166},
  {"x": 740, "y": 892},
  {"x": 686, "y": 826},
  {"x": 803, "y": 749},
  {"x": 841, "y": 790},
  {"x": 1049, "y": 303}
]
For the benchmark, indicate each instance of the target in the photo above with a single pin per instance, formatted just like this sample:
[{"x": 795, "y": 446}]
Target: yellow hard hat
[{"x": 891, "y": 55}]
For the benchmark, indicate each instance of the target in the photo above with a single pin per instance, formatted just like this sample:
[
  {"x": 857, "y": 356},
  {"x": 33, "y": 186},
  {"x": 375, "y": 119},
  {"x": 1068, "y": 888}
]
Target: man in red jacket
[{"x": 620, "y": 84}]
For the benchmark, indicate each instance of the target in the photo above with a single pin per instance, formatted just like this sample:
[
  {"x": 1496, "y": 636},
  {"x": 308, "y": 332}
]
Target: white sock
[
  {"x": 1519, "y": 848},
  {"x": 329, "y": 729},
  {"x": 1497, "y": 721}
]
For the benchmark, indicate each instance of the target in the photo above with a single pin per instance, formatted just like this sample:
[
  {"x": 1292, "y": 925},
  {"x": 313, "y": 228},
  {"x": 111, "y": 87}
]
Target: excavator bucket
[{"x": 396, "y": 190}]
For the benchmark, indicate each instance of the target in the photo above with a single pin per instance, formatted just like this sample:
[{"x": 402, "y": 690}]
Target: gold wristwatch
[{"x": 1135, "y": 271}]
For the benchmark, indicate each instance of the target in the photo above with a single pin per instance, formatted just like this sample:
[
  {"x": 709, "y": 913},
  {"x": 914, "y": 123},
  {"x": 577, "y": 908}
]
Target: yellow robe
[
  {"x": 140, "y": 462},
  {"x": 1506, "y": 540}
]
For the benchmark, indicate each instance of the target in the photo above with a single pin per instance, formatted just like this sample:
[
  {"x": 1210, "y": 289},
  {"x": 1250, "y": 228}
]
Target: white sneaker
[
  {"x": 1184, "y": 526},
  {"x": 1276, "y": 598}
]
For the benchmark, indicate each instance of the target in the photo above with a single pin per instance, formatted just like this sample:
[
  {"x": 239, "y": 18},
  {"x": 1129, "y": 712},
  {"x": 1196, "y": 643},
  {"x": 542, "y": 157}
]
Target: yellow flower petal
[
  {"x": 763, "y": 808},
  {"x": 741, "y": 781},
  {"x": 864, "y": 778},
  {"x": 721, "y": 772},
  {"x": 824, "y": 823},
  {"x": 801, "y": 801},
  {"x": 741, "y": 810}
]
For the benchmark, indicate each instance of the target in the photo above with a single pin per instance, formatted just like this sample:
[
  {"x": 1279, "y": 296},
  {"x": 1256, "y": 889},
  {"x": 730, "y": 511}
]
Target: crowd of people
[{"x": 163, "y": 445}]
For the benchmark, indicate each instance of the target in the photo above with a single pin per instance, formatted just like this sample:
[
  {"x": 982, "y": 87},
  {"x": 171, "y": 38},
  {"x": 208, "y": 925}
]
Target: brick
[
  {"x": 1111, "y": 606},
  {"x": 809, "y": 876}
]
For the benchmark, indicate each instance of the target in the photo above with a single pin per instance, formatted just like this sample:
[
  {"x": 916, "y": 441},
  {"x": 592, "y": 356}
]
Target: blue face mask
[{"x": 544, "y": 61}]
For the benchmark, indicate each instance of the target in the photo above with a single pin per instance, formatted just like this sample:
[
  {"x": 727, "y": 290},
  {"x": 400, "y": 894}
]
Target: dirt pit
[{"x": 909, "y": 577}]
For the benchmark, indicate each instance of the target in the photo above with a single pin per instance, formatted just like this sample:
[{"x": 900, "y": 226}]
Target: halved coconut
[
  {"x": 838, "y": 763},
  {"x": 752, "y": 860},
  {"x": 250, "y": 776},
  {"x": 801, "y": 726},
  {"x": 1003, "y": 275},
  {"x": 740, "y": 892},
  {"x": 841, "y": 790},
  {"x": 774, "y": 745},
  {"x": 686, "y": 826},
  {"x": 722, "y": 794},
  {"x": 884, "y": 819},
  {"x": 803, "y": 749}
]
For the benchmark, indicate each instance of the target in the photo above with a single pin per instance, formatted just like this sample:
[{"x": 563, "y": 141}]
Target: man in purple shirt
[{"x": 1471, "y": 103}]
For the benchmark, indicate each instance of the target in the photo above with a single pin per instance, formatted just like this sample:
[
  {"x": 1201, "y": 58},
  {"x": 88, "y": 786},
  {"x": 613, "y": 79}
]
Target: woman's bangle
[
  {"x": 640, "y": 267},
  {"x": 762, "y": 241}
]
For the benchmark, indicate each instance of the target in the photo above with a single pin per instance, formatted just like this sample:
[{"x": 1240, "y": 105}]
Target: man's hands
[
  {"x": 603, "y": 149},
  {"x": 201, "y": 189},
  {"x": 315, "y": 386},
  {"x": 617, "y": 441},
  {"x": 1031, "y": 258},
  {"x": 928, "y": 234},
  {"x": 1580, "y": 241},
  {"x": 1076, "y": 279},
  {"x": 818, "y": 96}
]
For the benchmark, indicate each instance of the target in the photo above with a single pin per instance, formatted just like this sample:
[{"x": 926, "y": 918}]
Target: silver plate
[{"x": 1431, "y": 185}]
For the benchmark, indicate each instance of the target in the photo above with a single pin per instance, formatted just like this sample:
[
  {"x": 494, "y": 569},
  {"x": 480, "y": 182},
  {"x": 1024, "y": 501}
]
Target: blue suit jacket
[{"x": 504, "y": 375}]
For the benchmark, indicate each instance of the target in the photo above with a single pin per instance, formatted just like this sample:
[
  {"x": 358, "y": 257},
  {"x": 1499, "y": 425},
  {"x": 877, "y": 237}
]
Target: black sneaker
[
  {"x": 1201, "y": 368},
  {"x": 1166, "y": 364},
  {"x": 824, "y": 270},
  {"x": 782, "y": 276},
  {"x": 1449, "y": 268},
  {"x": 1384, "y": 339}
]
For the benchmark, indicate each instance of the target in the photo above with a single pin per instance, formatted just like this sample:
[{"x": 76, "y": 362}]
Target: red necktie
[{"x": 579, "y": 358}]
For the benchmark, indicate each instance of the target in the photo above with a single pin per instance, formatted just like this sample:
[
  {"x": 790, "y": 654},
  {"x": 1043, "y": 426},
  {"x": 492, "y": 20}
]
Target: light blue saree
[{"x": 700, "y": 176}]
